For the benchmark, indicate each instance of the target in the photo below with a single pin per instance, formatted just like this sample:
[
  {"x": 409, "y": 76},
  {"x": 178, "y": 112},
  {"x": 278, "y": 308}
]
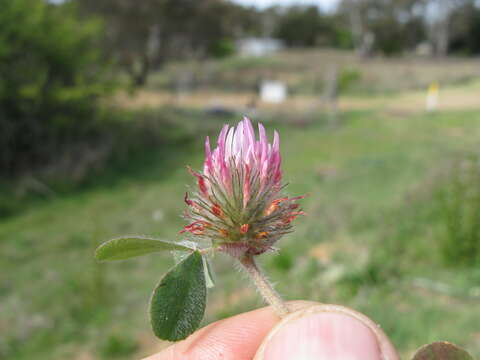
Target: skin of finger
[
  {"x": 235, "y": 338},
  {"x": 386, "y": 348}
]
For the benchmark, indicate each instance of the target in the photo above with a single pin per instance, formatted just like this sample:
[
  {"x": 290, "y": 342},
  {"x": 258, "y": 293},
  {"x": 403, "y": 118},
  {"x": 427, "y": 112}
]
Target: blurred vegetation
[
  {"x": 143, "y": 36},
  {"x": 465, "y": 26},
  {"x": 460, "y": 209},
  {"x": 52, "y": 75},
  {"x": 304, "y": 71},
  {"x": 372, "y": 239},
  {"x": 393, "y": 212},
  {"x": 124, "y": 138},
  {"x": 59, "y": 61},
  {"x": 306, "y": 27}
]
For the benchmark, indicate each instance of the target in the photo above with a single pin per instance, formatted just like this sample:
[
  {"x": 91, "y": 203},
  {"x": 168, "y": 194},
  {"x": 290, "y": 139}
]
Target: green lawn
[{"x": 369, "y": 241}]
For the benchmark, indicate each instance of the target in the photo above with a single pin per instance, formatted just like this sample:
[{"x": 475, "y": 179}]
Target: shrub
[
  {"x": 347, "y": 79},
  {"x": 52, "y": 74}
]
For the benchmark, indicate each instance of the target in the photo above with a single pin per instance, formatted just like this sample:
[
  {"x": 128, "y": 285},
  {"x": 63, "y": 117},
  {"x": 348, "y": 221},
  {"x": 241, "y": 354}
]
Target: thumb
[{"x": 326, "y": 332}]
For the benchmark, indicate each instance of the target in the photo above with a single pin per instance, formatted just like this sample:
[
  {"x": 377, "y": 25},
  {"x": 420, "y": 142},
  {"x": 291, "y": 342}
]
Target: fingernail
[{"x": 323, "y": 336}]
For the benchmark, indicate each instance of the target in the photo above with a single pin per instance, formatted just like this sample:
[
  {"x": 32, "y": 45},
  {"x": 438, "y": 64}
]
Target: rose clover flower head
[
  {"x": 238, "y": 205},
  {"x": 238, "y": 209}
]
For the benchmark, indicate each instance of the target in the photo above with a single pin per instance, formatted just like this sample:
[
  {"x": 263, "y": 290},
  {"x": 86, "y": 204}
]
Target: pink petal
[
  {"x": 238, "y": 137},
  {"x": 207, "y": 166},
  {"x": 249, "y": 132},
  {"x": 221, "y": 141},
  {"x": 276, "y": 141},
  {"x": 229, "y": 144},
  {"x": 246, "y": 186},
  {"x": 263, "y": 142}
]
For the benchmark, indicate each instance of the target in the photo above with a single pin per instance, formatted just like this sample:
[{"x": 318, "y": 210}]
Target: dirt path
[{"x": 450, "y": 98}]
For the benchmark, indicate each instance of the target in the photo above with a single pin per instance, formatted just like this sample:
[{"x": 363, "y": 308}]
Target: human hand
[{"x": 312, "y": 331}]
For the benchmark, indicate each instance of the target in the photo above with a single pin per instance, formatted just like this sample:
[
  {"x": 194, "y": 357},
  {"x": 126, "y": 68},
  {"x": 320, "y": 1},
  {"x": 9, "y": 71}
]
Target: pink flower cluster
[
  {"x": 237, "y": 204},
  {"x": 238, "y": 149}
]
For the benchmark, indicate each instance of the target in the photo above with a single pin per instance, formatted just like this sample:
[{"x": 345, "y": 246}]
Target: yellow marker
[
  {"x": 432, "y": 97},
  {"x": 433, "y": 88}
]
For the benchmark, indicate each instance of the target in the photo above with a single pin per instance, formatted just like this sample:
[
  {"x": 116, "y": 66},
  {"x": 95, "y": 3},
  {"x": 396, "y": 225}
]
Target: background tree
[
  {"x": 305, "y": 26},
  {"x": 145, "y": 35},
  {"x": 465, "y": 29},
  {"x": 439, "y": 16},
  {"x": 51, "y": 75},
  {"x": 387, "y": 26}
]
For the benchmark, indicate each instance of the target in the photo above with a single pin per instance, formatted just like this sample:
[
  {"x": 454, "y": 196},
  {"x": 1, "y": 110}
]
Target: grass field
[
  {"x": 371, "y": 240},
  {"x": 305, "y": 72}
]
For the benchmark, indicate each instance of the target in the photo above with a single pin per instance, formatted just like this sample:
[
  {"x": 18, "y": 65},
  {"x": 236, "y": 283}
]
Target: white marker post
[{"x": 273, "y": 92}]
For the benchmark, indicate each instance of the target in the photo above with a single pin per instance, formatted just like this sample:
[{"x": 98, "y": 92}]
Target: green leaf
[
  {"x": 127, "y": 247},
  {"x": 178, "y": 302},
  {"x": 441, "y": 350}
]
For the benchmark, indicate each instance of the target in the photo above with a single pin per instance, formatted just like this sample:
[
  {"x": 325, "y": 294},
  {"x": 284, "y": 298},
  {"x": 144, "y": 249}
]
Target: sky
[
  {"x": 327, "y": 5},
  {"x": 324, "y": 4}
]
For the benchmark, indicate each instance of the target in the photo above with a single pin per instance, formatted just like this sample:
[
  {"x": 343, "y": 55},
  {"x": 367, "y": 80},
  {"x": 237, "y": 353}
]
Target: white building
[{"x": 258, "y": 46}]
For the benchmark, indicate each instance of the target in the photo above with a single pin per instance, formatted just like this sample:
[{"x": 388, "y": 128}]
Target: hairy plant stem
[{"x": 263, "y": 285}]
